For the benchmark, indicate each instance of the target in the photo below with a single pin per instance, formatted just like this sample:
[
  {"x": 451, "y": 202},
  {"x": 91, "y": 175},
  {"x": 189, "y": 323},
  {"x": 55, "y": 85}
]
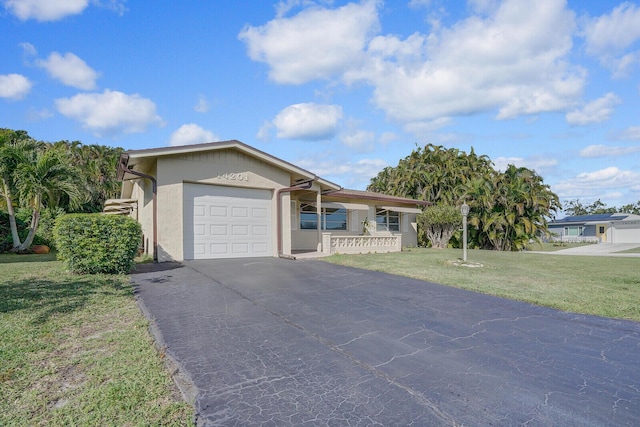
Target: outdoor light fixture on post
[{"x": 464, "y": 209}]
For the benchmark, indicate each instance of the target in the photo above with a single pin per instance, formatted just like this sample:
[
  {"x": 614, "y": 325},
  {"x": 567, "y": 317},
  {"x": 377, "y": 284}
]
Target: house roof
[
  {"x": 139, "y": 159},
  {"x": 369, "y": 195},
  {"x": 591, "y": 218}
]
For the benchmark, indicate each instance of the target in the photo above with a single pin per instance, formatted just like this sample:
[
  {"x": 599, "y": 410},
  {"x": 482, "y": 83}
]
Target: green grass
[
  {"x": 75, "y": 350},
  {"x": 630, "y": 251},
  {"x": 603, "y": 286}
]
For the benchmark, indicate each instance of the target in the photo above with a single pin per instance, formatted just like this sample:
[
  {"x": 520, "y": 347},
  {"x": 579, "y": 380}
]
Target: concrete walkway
[
  {"x": 600, "y": 249},
  {"x": 272, "y": 342}
]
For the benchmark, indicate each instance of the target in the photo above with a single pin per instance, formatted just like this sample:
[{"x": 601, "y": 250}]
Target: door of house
[{"x": 601, "y": 232}]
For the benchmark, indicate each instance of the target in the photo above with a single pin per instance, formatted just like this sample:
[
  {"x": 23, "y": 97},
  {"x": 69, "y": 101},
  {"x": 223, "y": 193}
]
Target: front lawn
[
  {"x": 603, "y": 286},
  {"x": 75, "y": 350}
]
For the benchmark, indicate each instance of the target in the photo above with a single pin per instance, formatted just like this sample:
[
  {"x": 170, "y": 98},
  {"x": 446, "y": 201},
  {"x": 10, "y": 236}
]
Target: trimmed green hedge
[{"x": 97, "y": 243}]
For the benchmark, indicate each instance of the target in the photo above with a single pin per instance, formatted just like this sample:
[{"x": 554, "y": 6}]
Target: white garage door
[
  {"x": 226, "y": 222},
  {"x": 627, "y": 234}
]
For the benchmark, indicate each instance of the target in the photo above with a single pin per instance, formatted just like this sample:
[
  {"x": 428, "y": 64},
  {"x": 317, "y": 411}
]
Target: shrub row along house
[
  {"x": 229, "y": 200},
  {"x": 598, "y": 228}
]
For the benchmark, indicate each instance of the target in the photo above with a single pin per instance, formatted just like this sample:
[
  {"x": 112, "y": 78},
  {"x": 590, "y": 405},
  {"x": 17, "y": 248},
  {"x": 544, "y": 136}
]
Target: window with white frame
[
  {"x": 387, "y": 220},
  {"x": 573, "y": 231},
  {"x": 331, "y": 218}
]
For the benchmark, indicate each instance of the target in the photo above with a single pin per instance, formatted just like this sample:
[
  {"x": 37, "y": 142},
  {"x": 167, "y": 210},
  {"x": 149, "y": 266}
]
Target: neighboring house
[
  {"x": 602, "y": 228},
  {"x": 229, "y": 200}
]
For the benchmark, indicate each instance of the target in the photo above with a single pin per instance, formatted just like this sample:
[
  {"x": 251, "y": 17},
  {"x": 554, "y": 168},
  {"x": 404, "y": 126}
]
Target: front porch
[
  {"x": 341, "y": 244},
  {"x": 348, "y": 222}
]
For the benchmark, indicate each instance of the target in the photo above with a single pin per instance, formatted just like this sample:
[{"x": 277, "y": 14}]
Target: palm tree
[
  {"x": 40, "y": 182},
  {"x": 14, "y": 149}
]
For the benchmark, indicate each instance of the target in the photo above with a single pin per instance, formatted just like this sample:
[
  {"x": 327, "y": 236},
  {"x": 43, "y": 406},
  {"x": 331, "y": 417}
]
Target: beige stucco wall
[
  {"x": 143, "y": 194},
  {"x": 223, "y": 167}
]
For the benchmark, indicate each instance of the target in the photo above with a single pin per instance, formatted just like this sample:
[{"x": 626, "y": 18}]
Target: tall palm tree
[
  {"x": 14, "y": 149},
  {"x": 40, "y": 182}
]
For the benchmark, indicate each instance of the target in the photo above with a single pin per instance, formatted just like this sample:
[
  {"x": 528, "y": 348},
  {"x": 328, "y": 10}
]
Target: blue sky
[{"x": 340, "y": 88}]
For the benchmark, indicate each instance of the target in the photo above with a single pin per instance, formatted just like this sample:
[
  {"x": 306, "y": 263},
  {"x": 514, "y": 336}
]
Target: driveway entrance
[{"x": 267, "y": 341}]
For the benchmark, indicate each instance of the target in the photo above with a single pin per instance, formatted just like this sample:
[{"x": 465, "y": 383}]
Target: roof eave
[{"x": 221, "y": 145}]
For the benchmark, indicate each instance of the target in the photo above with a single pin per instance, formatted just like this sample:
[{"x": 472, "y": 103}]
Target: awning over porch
[
  {"x": 401, "y": 209},
  {"x": 340, "y": 205}
]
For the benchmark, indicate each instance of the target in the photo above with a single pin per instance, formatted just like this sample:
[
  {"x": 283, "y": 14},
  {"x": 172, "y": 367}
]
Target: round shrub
[{"x": 97, "y": 243}]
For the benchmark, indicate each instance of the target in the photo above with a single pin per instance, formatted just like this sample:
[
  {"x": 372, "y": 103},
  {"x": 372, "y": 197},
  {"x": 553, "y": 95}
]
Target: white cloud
[
  {"x": 421, "y": 129},
  {"x": 388, "y": 137},
  {"x": 45, "y": 10},
  {"x": 70, "y": 70},
  {"x": 596, "y": 111},
  {"x": 536, "y": 163},
  {"x": 358, "y": 139},
  {"x": 513, "y": 60},
  {"x": 117, "y": 6},
  {"x": 607, "y": 151},
  {"x": 349, "y": 174},
  {"x": 192, "y": 134},
  {"x": 37, "y": 115},
  {"x": 308, "y": 121},
  {"x": 14, "y": 86},
  {"x": 609, "y": 36},
  {"x": 28, "y": 49},
  {"x": 202, "y": 106},
  {"x": 264, "y": 133},
  {"x": 317, "y": 43},
  {"x": 110, "y": 112},
  {"x": 596, "y": 184},
  {"x": 508, "y": 58},
  {"x": 632, "y": 133}
]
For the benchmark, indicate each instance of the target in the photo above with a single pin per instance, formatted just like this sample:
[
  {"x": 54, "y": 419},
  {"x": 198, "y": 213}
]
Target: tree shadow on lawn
[{"x": 46, "y": 299}]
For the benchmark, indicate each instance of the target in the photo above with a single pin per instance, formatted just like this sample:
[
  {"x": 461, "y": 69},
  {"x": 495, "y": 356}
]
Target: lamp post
[{"x": 464, "y": 209}]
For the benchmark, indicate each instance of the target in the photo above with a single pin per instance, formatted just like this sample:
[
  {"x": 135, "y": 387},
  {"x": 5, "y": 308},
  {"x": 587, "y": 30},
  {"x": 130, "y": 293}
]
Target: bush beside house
[
  {"x": 97, "y": 243},
  {"x": 437, "y": 224}
]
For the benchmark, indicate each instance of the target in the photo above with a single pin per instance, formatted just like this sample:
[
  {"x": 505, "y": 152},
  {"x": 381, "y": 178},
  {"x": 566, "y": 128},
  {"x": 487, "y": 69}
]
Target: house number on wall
[{"x": 234, "y": 176}]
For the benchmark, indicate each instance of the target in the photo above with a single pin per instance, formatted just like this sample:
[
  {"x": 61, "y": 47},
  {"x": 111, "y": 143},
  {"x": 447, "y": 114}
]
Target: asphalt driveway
[{"x": 282, "y": 343}]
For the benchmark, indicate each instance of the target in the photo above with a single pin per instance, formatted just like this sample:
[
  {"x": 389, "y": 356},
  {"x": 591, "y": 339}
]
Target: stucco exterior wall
[
  {"x": 223, "y": 167},
  {"x": 143, "y": 193}
]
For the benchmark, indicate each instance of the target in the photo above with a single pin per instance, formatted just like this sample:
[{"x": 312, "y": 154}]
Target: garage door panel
[
  {"x": 241, "y": 248},
  {"x": 240, "y": 230},
  {"x": 261, "y": 248},
  {"x": 226, "y": 222},
  {"x": 218, "y": 230},
  {"x": 239, "y": 212},
  {"x": 218, "y": 248},
  {"x": 199, "y": 230},
  {"x": 199, "y": 249},
  {"x": 259, "y": 230},
  {"x": 218, "y": 211},
  {"x": 259, "y": 213}
]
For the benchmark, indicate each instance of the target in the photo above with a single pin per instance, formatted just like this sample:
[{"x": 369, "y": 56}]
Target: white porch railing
[{"x": 360, "y": 244}]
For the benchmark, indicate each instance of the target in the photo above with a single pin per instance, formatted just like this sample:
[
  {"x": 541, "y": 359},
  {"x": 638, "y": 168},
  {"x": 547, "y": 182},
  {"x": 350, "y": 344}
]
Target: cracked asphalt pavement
[{"x": 273, "y": 342}]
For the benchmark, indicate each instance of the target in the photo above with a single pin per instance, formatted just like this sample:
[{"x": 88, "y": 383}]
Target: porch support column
[
  {"x": 372, "y": 218},
  {"x": 319, "y": 211}
]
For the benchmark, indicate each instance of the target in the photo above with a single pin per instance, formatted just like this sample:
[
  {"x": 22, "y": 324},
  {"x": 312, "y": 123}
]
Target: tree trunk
[
  {"x": 12, "y": 215},
  {"x": 32, "y": 231}
]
